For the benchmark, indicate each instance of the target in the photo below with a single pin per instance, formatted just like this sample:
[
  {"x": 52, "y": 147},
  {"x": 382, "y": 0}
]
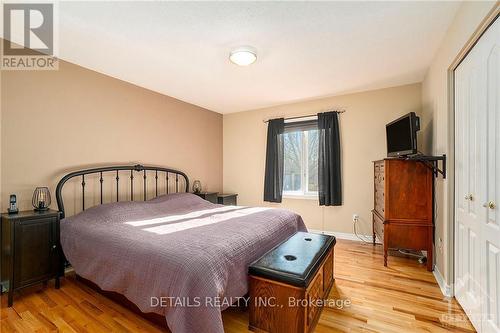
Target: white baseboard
[
  {"x": 445, "y": 288},
  {"x": 341, "y": 235}
]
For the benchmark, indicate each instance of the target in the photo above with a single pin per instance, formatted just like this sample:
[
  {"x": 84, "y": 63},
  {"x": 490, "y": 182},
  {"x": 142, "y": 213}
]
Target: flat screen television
[{"x": 402, "y": 135}]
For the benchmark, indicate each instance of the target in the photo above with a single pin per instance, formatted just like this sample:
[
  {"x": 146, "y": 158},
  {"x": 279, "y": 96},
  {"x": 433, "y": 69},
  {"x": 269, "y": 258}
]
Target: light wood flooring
[{"x": 401, "y": 298}]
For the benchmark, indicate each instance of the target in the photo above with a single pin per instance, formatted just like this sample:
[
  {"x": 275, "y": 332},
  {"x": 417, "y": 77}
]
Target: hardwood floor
[{"x": 403, "y": 297}]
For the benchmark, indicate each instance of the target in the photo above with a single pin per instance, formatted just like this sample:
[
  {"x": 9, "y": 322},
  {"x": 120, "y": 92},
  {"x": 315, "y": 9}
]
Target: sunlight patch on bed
[
  {"x": 196, "y": 223},
  {"x": 173, "y": 218}
]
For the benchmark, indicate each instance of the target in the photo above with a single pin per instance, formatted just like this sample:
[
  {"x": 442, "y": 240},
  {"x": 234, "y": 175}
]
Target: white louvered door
[{"x": 477, "y": 182}]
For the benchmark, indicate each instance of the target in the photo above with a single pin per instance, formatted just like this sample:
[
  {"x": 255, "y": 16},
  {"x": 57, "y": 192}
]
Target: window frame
[{"x": 304, "y": 192}]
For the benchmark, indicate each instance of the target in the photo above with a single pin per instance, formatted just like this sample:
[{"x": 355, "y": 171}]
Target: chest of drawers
[{"x": 403, "y": 200}]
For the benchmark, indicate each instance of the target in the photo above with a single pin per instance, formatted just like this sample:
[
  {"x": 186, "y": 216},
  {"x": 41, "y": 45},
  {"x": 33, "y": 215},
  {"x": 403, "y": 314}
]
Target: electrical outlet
[{"x": 355, "y": 217}]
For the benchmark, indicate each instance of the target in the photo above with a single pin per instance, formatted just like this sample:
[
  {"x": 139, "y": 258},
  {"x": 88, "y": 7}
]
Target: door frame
[{"x": 492, "y": 15}]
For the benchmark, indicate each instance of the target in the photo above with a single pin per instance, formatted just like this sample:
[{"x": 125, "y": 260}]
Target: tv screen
[{"x": 402, "y": 135}]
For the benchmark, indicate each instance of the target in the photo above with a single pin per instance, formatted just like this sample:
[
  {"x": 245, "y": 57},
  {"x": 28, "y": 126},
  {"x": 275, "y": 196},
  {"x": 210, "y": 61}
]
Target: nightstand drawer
[
  {"x": 227, "y": 199},
  {"x": 209, "y": 196}
]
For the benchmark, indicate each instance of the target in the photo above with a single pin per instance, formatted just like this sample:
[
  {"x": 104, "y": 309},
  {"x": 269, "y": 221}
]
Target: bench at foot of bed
[{"x": 289, "y": 284}]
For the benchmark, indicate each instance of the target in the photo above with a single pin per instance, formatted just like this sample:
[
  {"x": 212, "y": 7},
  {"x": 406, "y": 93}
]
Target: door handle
[
  {"x": 469, "y": 197},
  {"x": 490, "y": 205}
]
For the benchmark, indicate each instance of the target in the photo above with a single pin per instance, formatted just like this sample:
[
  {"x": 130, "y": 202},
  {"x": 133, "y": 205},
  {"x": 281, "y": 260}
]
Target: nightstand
[
  {"x": 31, "y": 250},
  {"x": 209, "y": 196},
  {"x": 227, "y": 199}
]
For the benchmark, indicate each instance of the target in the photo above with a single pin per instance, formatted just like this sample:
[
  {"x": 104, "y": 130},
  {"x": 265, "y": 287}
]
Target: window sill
[{"x": 301, "y": 196}]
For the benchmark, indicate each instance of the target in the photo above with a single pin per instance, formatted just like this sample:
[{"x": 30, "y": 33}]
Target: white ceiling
[{"x": 305, "y": 49}]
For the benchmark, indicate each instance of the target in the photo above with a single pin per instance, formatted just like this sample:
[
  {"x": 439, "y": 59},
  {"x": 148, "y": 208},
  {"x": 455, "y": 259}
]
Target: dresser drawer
[
  {"x": 380, "y": 203},
  {"x": 379, "y": 166},
  {"x": 378, "y": 227},
  {"x": 380, "y": 179}
]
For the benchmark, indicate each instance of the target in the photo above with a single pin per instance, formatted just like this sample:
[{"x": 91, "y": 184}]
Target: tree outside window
[{"x": 301, "y": 163}]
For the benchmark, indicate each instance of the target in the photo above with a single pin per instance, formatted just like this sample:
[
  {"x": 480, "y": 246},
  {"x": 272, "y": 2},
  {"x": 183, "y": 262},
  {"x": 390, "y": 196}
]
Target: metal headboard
[{"x": 158, "y": 171}]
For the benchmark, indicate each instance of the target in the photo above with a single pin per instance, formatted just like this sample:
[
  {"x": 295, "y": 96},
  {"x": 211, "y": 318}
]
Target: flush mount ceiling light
[{"x": 243, "y": 56}]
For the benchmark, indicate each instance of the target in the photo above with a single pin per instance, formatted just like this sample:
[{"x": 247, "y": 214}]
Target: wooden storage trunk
[{"x": 289, "y": 284}]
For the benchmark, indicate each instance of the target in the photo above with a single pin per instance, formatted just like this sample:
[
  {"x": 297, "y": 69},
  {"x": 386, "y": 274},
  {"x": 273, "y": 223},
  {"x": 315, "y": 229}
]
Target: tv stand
[{"x": 430, "y": 161}]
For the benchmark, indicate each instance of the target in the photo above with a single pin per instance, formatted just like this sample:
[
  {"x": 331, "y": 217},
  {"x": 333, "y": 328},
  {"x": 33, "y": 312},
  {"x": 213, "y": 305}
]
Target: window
[{"x": 301, "y": 162}]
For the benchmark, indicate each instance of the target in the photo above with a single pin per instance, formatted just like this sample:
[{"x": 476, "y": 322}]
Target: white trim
[
  {"x": 297, "y": 119},
  {"x": 340, "y": 235},
  {"x": 290, "y": 195},
  {"x": 445, "y": 288}
]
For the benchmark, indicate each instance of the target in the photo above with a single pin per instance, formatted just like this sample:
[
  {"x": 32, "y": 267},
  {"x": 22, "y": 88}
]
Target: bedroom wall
[
  {"x": 363, "y": 140},
  {"x": 1, "y": 189},
  {"x": 54, "y": 122},
  {"x": 438, "y": 127}
]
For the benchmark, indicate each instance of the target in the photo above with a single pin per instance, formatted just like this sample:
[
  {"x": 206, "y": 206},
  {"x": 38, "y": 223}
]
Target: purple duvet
[{"x": 177, "y": 255}]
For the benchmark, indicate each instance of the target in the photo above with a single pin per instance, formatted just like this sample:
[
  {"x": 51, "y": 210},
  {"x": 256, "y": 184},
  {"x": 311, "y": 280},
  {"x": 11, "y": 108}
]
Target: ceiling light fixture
[{"x": 243, "y": 56}]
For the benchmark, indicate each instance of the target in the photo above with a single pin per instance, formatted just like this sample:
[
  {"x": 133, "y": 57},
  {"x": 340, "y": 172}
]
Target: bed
[{"x": 176, "y": 254}]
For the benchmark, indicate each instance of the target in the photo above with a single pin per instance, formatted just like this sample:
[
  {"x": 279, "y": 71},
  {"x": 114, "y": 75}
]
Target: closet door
[
  {"x": 469, "y": 98},
  {"x": 491, "y": 224},
  {"x": 477, "y": 183}
]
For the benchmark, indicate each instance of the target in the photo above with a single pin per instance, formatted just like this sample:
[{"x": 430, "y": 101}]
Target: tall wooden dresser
[{"x": 403, "y": 212}]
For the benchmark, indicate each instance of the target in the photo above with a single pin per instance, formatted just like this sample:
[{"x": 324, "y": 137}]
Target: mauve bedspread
[{"x": 179, "y": 247}]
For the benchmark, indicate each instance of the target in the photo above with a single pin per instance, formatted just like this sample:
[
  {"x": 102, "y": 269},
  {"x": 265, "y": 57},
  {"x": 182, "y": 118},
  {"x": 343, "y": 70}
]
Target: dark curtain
[
  {"x": 329, "y": 164},
  {"x": 273, "y": 181}
]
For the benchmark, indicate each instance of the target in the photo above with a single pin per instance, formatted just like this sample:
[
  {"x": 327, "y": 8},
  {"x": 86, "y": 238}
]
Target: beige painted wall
[
  {"x": 363, "y": 140},
  {"x": 1, "y": 189},
  {"x": 435, "y": 113},
  {"x": 58, "y": 121}
]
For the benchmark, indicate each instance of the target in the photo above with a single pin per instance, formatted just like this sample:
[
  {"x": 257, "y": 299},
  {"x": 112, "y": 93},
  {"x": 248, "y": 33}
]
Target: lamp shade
[{"x": 41, "y": 198}]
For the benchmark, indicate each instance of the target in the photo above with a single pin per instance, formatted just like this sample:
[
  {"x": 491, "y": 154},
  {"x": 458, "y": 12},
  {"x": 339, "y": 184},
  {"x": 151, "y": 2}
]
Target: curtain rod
[{"x": 309, "y": 115}]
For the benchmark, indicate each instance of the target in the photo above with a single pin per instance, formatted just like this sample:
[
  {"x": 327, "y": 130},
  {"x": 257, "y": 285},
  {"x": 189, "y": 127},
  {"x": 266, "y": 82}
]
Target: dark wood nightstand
[
  {"x": 229, "y": 199},
  {"x": 31, "y": 252},
  {"x": 209, "y": 196}
]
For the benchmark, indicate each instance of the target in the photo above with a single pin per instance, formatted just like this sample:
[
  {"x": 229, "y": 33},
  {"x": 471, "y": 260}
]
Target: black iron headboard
[{"x": 158, "y": 171}]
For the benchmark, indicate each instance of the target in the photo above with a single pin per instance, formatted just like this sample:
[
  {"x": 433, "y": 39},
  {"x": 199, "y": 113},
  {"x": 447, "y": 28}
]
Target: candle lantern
[
  {"x": 41, "y": 199},
  {"x": 196, "y": 186}
]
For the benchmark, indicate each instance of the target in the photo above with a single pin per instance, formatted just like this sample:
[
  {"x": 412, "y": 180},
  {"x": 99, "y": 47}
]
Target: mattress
[{"x": 177, "y": 255}]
